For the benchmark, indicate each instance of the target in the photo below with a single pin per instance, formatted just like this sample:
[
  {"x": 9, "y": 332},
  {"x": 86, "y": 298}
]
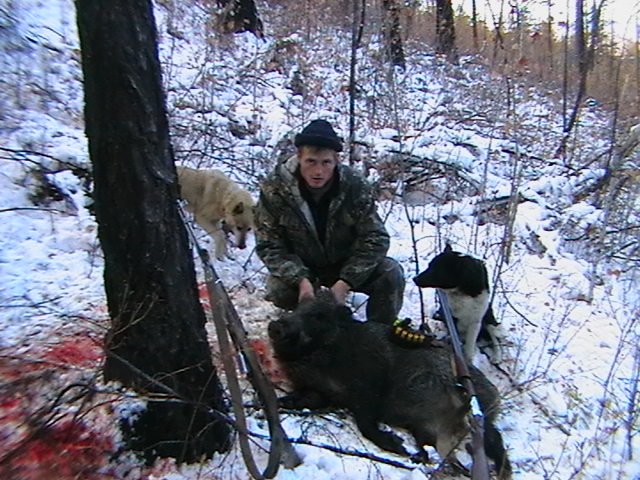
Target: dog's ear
[
  {"x": 447, "y": 248},
  {"x": 238, "y": 209}
]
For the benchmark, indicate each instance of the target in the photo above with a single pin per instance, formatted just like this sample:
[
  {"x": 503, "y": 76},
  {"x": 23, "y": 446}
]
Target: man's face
[{"x": 317, "y": 165}]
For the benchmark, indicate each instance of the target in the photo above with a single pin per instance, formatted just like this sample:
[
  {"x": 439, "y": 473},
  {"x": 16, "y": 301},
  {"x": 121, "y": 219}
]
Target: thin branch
[
  {"x": 354, "y": 453},
  {"x": 17, "y": 209},
  {"x": 343, "y": 451}
]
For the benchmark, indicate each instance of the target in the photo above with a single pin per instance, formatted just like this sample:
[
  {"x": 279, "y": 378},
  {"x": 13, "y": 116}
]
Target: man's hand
[
  {"x": 340, "y": 290},
  {"x": 305, "y": 290}
]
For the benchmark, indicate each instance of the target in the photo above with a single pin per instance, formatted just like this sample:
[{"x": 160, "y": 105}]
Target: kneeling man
[{"x": 317, "y": 225}]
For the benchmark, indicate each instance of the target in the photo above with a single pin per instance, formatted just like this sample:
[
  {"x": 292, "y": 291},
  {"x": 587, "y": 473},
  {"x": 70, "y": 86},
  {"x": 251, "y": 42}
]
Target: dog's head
[
  {"x": 451, "y": 269},
  {"x": 442, "y": 271},
  {"x": 239, "y": 221}
]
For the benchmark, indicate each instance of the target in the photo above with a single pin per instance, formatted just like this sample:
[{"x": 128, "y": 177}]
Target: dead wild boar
[{"x": 335, "y": 361}]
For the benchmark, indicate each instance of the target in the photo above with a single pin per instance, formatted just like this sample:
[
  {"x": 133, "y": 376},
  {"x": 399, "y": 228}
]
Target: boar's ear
[
  {"x": 326, "y": 295},
  {"x": 343, "y": 313},
  {"x": 447, "y": 248}
]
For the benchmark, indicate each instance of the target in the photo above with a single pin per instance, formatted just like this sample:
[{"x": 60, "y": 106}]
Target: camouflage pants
[{"x": 385, "y": 288}]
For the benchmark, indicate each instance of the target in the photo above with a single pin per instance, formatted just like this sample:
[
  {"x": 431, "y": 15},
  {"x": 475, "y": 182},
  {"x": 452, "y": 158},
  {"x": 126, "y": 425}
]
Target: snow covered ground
[{"x": 570, "y": 368}]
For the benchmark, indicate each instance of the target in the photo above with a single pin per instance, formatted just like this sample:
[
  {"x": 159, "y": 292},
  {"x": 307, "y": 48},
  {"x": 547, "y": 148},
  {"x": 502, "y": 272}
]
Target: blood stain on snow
[
  {"x": 79, "y": 351},
  {"x": 37, "y": 448},
  {"x": 65, "y": 450},
  {"x": 203, "y": 293}
]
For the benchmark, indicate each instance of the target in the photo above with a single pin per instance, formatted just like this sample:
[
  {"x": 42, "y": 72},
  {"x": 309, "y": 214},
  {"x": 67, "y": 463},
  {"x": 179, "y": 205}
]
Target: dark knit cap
[{"x": 319, "y": 133}]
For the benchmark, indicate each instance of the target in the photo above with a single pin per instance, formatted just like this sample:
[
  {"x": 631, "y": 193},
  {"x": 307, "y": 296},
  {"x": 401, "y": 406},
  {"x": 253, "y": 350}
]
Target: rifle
[
  {"x": 480, "y": 468},
  {"x": 228, "y": 324}
]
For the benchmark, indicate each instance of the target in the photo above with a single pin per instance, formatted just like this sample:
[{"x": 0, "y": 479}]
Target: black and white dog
[{"x": 465, "y": 282}]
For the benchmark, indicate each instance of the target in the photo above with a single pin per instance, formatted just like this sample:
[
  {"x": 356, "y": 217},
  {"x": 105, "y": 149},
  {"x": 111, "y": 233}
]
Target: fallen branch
[
  {"x": 40, "y": 209},
  {"x": 343, "y": 451},
  {"x": 354, "y": 453},
  {"x": 23, "y": 156}
]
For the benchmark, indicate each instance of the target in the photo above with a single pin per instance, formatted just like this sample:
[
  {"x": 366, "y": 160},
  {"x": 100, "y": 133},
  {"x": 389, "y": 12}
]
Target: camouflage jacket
[{"x": 287, "y": 241}]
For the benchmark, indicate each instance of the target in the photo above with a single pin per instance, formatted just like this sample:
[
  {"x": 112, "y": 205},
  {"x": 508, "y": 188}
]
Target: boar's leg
[
  {"x": 493, "y": 444},
  {"x": 422, "y": 437},
  {"x": 495, "y": 450},
  {"x": 370, "y": 429},
  {"x": 302, "y": 399},
  {"x": 443, "y": 440}
]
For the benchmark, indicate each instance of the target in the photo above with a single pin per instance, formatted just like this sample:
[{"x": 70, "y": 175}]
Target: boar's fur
[{"x": 334, "y": 360}]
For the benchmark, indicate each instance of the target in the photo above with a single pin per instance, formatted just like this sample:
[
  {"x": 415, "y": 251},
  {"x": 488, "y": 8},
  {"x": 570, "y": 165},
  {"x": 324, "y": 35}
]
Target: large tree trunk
[
  {"x": 240, "y": 16},
  {"x": 474, "y": 24},
  {"x": 357, "y": 27},
  {"x": 549, "y": 33},
  {"x": 445, "y": 30},
  {"x": 157, "y": 343},
  {"x": 392, "y": 34}
]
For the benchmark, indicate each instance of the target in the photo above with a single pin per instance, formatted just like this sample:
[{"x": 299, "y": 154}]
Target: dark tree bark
[
  {"x": 445, "y": 30},
  {"x": 240, "y": 16},
  {"x": 157, "y": 343},
  {"x": 392, "y": 34},
  {"x": 498, "y": 39},
  {"x": 549, "y": 32},
  {"x": 474, "y": 24},
  {"x": 357, "y": 27},
  {"x": 580, "y": 36},
  {"x": 637, "y": 65}
]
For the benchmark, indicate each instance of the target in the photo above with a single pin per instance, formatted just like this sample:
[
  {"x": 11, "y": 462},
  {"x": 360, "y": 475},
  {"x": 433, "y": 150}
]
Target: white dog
[{"x": 218, "y": 205}]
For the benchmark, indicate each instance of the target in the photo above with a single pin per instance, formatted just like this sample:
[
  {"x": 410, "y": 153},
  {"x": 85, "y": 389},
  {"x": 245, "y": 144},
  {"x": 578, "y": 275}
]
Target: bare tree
[
  {"x": 474, "y": 24},
  {"x": 392, "y": 34},
  {"x": 637, "y": 67},
  {"x": 498, "y": 25},
  {"x": 445, "y": 30},
  {"x": 157, "y": 343},
  {"x": 240, "y": 16},
  {"x": 585, "y": 57},
  {"x": 357, "y": 27},
  {"x": 549, "y": 33}
]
